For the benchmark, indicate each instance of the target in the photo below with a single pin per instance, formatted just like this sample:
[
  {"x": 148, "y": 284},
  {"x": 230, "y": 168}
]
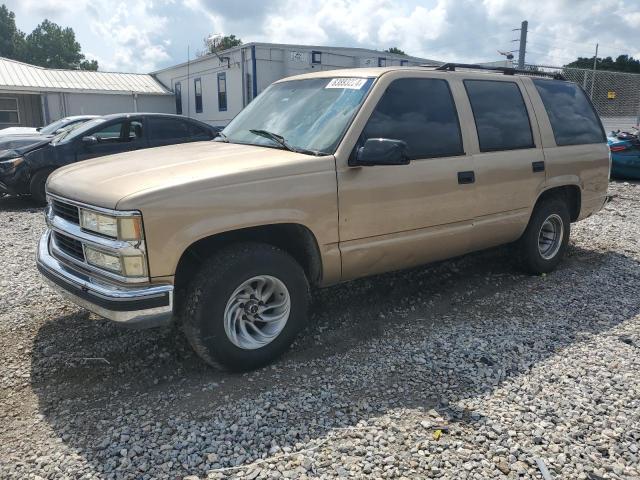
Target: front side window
[
  {"x": 310, "y": 114},
  {"x": 421, "y": 112},
  {"x": 197, "y": 87},
  {"x": 126, "y": 131},
  {"x": 9, "y": 111},
  {"x": 178, "y": 92},
  {"x": 573, "y": 119},
  {"x": 222, "y": 92},
  {"x": 500, "y": 114},
  {"x": 110, "y": 133}
]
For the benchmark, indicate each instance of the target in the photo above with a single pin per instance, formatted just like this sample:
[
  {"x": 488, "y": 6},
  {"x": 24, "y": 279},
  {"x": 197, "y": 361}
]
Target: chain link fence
[{"x": 615, "y": 95}]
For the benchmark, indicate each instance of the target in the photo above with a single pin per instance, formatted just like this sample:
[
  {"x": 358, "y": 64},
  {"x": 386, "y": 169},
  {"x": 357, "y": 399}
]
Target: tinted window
[
  {"x": 421, "y": 112},
  {"x": 197, "y": 86},
  {"x": 573, "y": 119},
  {"x": 113, "y": 133},
  {"x": 167, "y": 129},
  {"x": 222, "y": 92},
  {"x": 178, "y": 91},
  {"x": 197, "y": 132},
  {"x": 110, "y": 133},
  {"x": 501, "y": 116}
]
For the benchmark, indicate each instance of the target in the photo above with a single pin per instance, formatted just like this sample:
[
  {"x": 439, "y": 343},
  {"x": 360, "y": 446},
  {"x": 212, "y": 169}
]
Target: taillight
[{"x": 617, "y": 148}]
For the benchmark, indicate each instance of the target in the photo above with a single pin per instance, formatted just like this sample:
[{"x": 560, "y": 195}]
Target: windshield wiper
[{"x": 280, "y": 140}]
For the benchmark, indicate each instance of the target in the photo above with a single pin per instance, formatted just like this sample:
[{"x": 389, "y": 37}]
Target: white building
[
  {"x": 214, "y": 88},
  {"x": 32, "y": 96}
]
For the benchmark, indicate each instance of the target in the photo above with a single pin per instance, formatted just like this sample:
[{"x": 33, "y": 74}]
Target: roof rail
[{"x": 451, "y": 67}]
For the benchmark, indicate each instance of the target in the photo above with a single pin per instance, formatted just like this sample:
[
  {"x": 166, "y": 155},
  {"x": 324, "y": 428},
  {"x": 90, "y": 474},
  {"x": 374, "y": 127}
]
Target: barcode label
[{"x": 352, "y": 83}]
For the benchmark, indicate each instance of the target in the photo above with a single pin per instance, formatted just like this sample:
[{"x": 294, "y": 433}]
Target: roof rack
[{"x": 451, "y": 67}]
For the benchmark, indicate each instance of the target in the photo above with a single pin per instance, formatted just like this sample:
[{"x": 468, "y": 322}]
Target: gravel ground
[{"x": 462, "y": 370}]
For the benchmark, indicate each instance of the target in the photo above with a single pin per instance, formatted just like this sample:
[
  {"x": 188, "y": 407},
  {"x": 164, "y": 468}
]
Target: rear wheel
[
  {"x": 37, "y": 185},
  {"x": 245, "y": 306},
  {"x": 545, "y": 240}
]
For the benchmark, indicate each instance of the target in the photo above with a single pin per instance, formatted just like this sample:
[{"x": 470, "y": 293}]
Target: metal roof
[{"x": 20, "y": 76}]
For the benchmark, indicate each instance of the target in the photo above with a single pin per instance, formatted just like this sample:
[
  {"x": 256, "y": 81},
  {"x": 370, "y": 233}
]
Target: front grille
[
  {"x": 65, "y": 210},
  {"x": 68, "y": 245}
]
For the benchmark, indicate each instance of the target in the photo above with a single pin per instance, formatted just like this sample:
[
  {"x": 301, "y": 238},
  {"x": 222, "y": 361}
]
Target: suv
[{"x": 323, "y": 178}]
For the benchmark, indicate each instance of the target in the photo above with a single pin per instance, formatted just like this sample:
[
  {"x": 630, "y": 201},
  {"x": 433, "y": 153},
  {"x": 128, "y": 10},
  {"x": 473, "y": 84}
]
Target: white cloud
[{"x": 135, "y": 35}]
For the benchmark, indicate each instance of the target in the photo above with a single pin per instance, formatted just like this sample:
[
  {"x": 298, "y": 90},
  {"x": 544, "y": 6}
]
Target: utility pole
[
  {"x": 595, "y": 66},
  {"x": 523, "y": 43}
]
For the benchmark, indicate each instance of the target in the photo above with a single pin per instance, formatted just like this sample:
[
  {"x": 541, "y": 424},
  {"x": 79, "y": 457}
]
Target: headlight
[
  {"x": 122, "y": 228},
  {"x": 130, "y": 266},
  {"x": 10, "y": 165}
]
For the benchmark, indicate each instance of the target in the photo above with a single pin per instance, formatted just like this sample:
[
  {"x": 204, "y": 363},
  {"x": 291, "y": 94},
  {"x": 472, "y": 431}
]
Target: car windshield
[
  {"x": 77, "y": 130},
  {"x": 310, "y": 114},
  {"x": 53, "y": 127}
]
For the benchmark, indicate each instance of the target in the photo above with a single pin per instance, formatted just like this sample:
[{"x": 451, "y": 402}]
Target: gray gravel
[{"x": 462, "y": 370}]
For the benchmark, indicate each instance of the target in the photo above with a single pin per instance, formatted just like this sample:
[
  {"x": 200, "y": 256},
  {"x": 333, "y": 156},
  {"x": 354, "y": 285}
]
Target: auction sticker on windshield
[{"x": 352, "y": 83}]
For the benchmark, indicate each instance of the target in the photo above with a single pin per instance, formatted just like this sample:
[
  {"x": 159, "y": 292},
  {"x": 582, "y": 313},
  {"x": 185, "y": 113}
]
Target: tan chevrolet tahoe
[{"x": 323, "y": 178}]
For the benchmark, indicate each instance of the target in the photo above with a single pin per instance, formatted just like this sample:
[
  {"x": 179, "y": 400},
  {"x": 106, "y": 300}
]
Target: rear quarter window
[{"x": 573, "y": 119}]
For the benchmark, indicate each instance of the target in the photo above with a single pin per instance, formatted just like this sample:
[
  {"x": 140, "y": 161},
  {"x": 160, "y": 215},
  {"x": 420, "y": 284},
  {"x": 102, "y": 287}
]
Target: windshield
[
  {"x": 52, "y": 127},
  {"x": 77, "y": 130},
  {"x": 309, "y": 114}
]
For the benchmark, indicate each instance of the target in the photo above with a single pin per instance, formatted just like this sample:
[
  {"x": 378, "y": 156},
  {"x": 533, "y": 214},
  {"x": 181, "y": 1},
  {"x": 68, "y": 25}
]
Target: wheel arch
[
  {"x": 295, "y": 239},
  {"x": 571, "y": 193}
]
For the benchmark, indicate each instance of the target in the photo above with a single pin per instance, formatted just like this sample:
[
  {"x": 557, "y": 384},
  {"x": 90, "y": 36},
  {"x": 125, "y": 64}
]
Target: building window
[
  {"x": 197, "y": 86},
  {"x": 249, "y": 88},
  {"x": 222, "y": 92},
  {"x": 9, "y": 111},
  {"x": 404, "y": 63},
  {"x": 382, "y": 62},
  {"x": 316, "y": 57},
  {"x": 178, "y": 93}
]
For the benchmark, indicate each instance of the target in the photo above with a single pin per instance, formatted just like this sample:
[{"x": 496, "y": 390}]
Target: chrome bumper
[{"x": 140, "y": 306}]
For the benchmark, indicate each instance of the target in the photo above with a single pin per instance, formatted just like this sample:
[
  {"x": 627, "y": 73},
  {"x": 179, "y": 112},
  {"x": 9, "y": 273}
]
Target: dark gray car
[{"x": 25, "y": 169}]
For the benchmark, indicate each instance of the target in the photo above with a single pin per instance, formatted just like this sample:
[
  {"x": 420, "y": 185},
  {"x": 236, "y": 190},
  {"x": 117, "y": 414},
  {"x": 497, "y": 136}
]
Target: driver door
[
  {"x": 121, "y": 136},
  {"x": 393, "y": 217}
]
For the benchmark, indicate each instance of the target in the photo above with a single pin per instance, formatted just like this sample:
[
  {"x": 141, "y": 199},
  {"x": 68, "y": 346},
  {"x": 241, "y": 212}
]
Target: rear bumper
[{"x": 142, "y": 307}]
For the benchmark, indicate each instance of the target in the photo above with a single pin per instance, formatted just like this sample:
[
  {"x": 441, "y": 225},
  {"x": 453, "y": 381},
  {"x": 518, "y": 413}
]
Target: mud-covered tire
[
  {"x": 37, "y": 185},
  {"x": 535, "y": 256},
  {"x": 206, "y": 301}
]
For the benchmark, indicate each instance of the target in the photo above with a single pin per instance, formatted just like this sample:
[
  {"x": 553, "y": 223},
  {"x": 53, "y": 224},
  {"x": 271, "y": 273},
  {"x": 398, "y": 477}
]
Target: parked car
[
  {"x": 12, "y": 142},
  {"x": 26, "y": 169},
  {"x": 323, "y": 178},
  {"x": 625, "y": 154},
  {"x": 51, "y": 129}
]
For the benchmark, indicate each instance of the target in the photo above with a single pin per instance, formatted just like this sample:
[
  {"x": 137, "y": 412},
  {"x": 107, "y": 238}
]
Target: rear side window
[
  {"x": 163, "y": 129},
  {"x": 422, "y": 113},
  {"x": 500, "y": 114},
  {"x": 196, "y": 132},
  {"x": 572, "y": 117}
]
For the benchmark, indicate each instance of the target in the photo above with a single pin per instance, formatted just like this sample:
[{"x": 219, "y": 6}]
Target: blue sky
[{"x": 145, "y": 35}]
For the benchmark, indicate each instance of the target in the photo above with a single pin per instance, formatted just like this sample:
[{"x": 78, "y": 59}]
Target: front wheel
[
  {"x": 245, "y": 306},
  {"x": 545, "y": 239},
  {"x": 38, "y": 184}
]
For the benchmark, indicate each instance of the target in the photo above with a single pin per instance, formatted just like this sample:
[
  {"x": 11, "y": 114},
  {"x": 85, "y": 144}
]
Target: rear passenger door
[{"x": 508, "y": 158}]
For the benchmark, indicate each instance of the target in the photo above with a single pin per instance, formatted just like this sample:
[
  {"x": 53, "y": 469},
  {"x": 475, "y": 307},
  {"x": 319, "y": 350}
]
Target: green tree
[
  {"x": 623, "y": 63},
  {"x": 11, "y": 39},
  {"x": 51, "y": 46},
  {"x": 223, "y": 43},
  {"x": 395, "y": 50}
]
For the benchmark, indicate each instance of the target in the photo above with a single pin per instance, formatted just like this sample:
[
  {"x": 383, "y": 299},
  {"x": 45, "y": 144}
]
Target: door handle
[
  {"x": 537, "y": 166},
  {"x": 466, "y": 177}
]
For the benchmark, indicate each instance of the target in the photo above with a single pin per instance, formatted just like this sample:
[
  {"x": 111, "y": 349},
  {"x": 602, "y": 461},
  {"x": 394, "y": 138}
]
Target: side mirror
[
  {"x": 90, "y": 140},
  {"x": 382, "y": 151}
]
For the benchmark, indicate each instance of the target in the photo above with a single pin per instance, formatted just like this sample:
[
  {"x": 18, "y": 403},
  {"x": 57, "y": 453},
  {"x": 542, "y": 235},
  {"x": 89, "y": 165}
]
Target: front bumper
[{"x": 139, "y": 306}]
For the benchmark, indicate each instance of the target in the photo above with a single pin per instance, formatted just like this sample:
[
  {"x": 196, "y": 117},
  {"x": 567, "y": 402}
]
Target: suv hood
[{"x": 155, "y": 172}]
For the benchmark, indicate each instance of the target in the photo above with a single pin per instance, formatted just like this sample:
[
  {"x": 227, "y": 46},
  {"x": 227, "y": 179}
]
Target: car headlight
[
  {"x": 122, "y": 228},
  {"x": 10, "y": 165},
  {"x": 130, "y": 266}
]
